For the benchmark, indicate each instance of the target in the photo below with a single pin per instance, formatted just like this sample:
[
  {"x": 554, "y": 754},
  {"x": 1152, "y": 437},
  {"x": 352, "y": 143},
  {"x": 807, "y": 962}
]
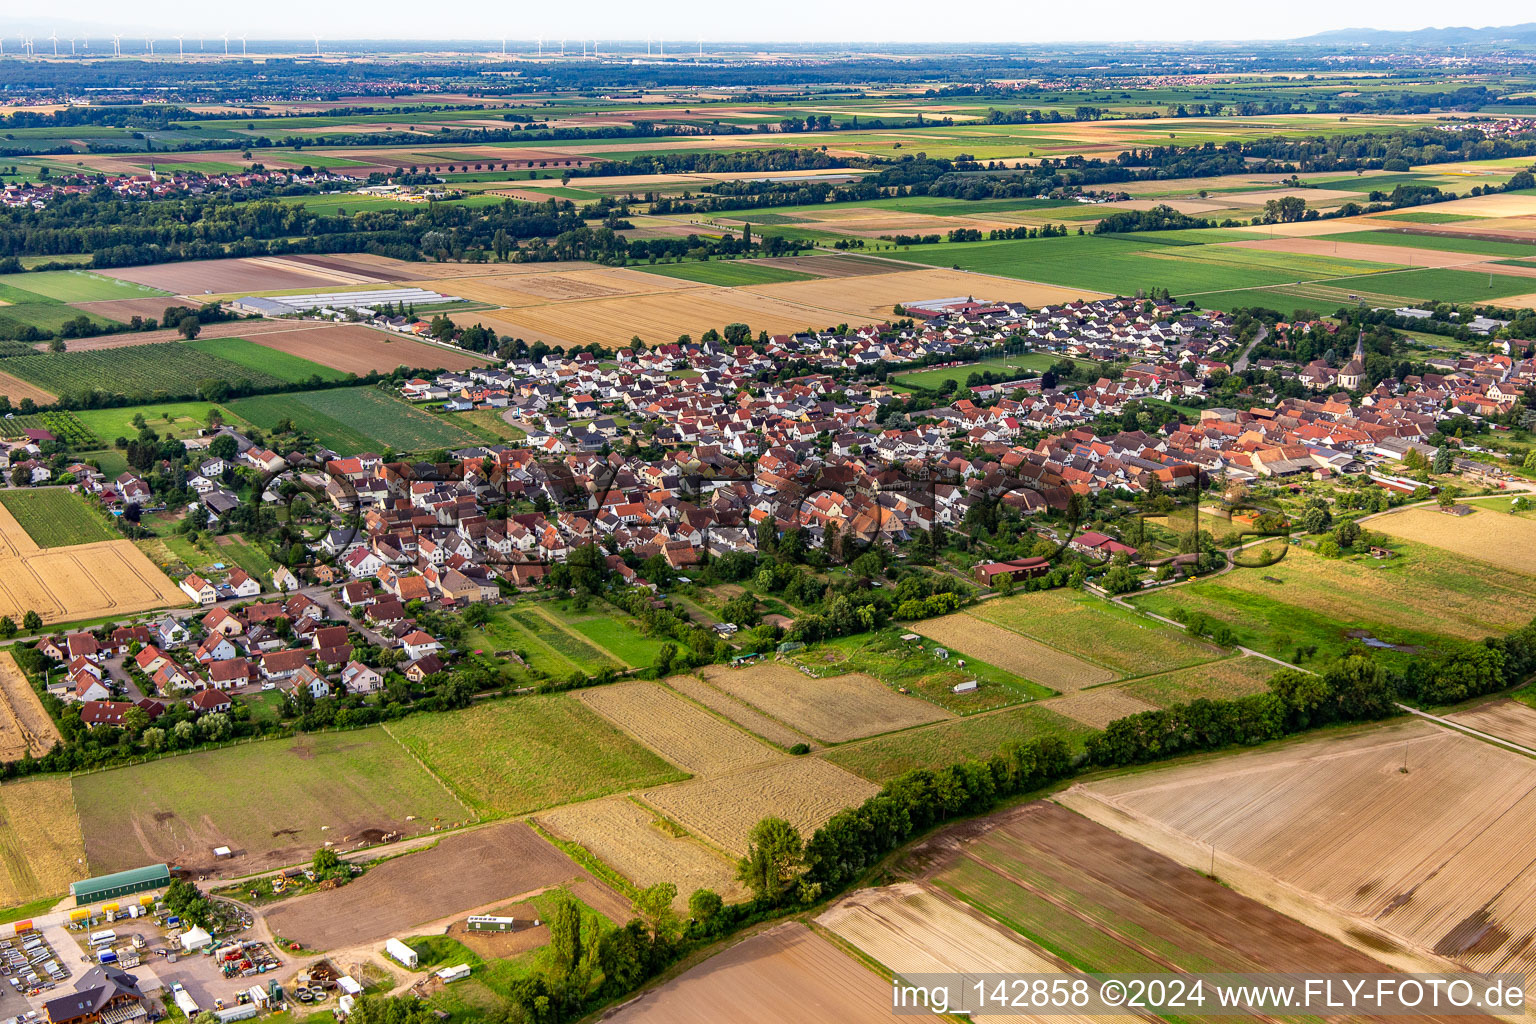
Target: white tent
[{"x": 195, "y": 938}]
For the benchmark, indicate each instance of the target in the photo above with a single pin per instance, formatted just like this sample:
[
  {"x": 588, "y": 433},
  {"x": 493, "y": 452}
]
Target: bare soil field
[
  {"x": 833, "y": 709},
  {"x": 875, "y": 294},
  {"x": 1360, "y": 251},
  {"x": 353, "y": 264},
  {"x": 24, "y": 725},
  {"x": 353, "y": 348},
  {"x": 691, "y": 738},
  {"x": 123, "y": 310},
  {"x": 1506, "y": 719},
  {"x": 1484, "y": 534},
  {"x": 1099, "y": 706},
  {"x": 787, "y": 973},
  {"x": 84, "y": 581},
  {"x": 1438, "y": 856},
  {"x": 630, "y": 839},
  {"x": 41, "y": 850},
  {"x": 16, "y": 389},
  {"x": 805, "y": 792},
  {"x": 829, "y": 266},
  {"x": 748, "y": 718},
  {"x": 223, "y": 277},
  {"x": 459, "y": 875},
  {"x": 539, "y": 289},
  {"x": 1006, "y": 649}
]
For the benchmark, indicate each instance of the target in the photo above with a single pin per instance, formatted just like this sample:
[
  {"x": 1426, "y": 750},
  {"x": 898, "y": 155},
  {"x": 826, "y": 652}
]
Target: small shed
[{"x": 969, "y": 686}]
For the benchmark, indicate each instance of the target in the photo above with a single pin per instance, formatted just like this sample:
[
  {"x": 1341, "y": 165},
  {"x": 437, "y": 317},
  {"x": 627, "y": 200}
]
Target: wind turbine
[
  {"x": 317, "y": 46},
  {"x": 701, "y": 47},
  {"x": 661, "y": 47},
  {"x": 226, "y": 44},
  {"x": 242, "y": 46},
  {"x": 647, "y": 46},
  {"x": 562, "y": 47},
  {"x": 181, "y": 52},
  {"x": 541, "y": 46},
  {"x": 55, "y": 38},
  {"x": 117, "y": 46},
  {"x": 149, "y": 46}
]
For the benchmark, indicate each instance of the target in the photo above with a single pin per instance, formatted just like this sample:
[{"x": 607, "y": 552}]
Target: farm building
[
  {"x": 121, "y": 883},
  {"x": 489, "y": 923}
]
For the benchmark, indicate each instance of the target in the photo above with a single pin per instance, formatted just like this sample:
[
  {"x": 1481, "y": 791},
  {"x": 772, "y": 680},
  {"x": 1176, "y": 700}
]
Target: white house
[
  {"x": 359, "y": 678},
  {"x": 199, "y": 589},
  {"x": 419, "y": 644}
]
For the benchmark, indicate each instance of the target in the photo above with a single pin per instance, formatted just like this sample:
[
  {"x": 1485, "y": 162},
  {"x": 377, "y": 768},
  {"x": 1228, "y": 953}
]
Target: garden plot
[
  {"x": 684, "y": 734},
  {"x": 805, "y": 792},
  {"x": 833, "y": 709}
]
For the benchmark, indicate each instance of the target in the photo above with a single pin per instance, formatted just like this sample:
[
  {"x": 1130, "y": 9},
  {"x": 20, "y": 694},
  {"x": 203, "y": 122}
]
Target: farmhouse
[{"x": 103, "y": 995}]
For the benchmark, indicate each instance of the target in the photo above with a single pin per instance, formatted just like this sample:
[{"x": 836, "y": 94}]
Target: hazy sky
[{"x": 788, "y": 20}]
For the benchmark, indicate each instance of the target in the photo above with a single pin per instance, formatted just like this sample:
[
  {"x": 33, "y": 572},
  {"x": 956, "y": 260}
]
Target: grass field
[
  {"x": 77, "y": 286},
  {"x": 729, "y": 273},
  {"x": 352, "y": 420},
  {"x": 54, "y": 517},
  {"x": 297, "y": 794},
  {"x": 1031, "y": 364},
  {"x": 1215, "y": 680},
  {"x": 1096, "y": 631},
  {"x": 934, "y": 746},
  {"x": 1420, "y": 598},
  {"x": 527, "y": 753},
  {"x": 294, "y": 369},
  {"x": 185, "y": 419}
]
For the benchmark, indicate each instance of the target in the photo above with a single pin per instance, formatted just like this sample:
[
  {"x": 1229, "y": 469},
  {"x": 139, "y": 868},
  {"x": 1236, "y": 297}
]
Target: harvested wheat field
[
  {"x": 636, "y": 843},
  {"x": 1438, "y": 856},
  {"x": 657, "y": 318},
  {"x": 875, "y": 294},
  {"x": 24, "y": 726},
  {"x": 723, "y": 703},
  {"x": 84, "y": 581},
  {"x": 1008, "y": 650},
  {"x": 832, "y": 709},
  {"x": 16, "y": 389},
  {"x": 224, "y": 277},
  {"x": 40, "y": 845},
  {"x": 565, "y": 286},
  {"x": 1099, "y": 706},
  {"x": 691, "y": 738},
  {"x": 1506, "y": 719},
  {"x": 1491, "y": 536},
  {"x": 353, "y": 348},
  {"x": 787, "y": 973},
  {"x": 805, "y": 792}
]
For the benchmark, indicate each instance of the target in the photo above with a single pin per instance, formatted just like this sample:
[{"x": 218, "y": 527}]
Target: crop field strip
[
  {"x": 1122, "y": 641},
  {"x": 25, "y": 727},
  {"x": 684, "y": 734},
  {"x": 978, "y": 736},
  {"x": 55, "y": 517},
  {"x": 169, "y": 367},
  {"x": 626, "y": 836},
  {"x": 261, "y": 359},
  {"x": 749, "y": 718},
  {"x": 507, "y": 757},
  {"x": 968, "y": 635},
  {"x": 832, "y": 709},
  {"x": 1437, "y": 855},
  {"x": 573, "y": 648},
  {"x": 805, "y": 791},
  {"x": 1501, "y": 540},
  {"x": 41, "y": 849}
]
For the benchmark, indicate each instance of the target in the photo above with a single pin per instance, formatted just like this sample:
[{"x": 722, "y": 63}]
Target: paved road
[{"x": 1242, "y": 361}]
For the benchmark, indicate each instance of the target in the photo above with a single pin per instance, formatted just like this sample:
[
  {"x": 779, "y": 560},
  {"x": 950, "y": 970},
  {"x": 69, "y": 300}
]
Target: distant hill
[{"x": 1518, "y": 35}]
